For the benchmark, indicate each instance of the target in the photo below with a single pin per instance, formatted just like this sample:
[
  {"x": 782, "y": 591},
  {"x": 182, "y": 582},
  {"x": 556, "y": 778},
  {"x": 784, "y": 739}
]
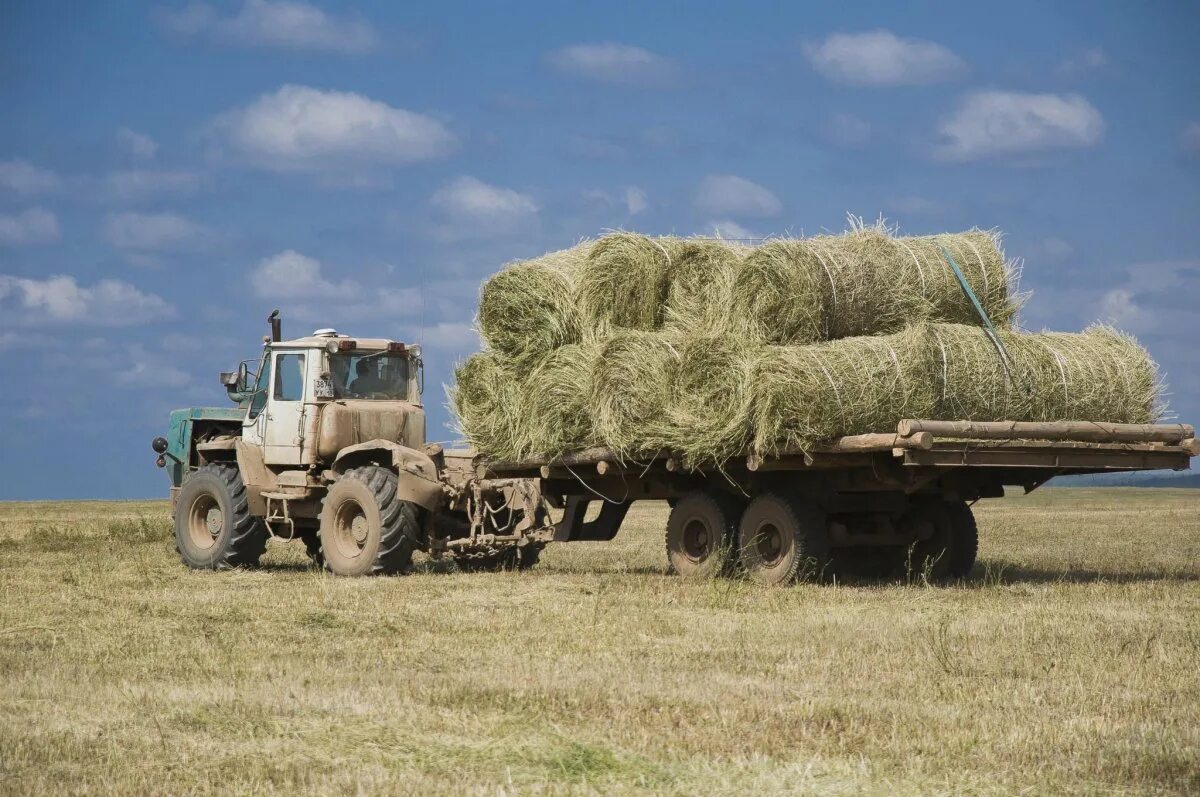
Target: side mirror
[{"x": 235, "y": 381}]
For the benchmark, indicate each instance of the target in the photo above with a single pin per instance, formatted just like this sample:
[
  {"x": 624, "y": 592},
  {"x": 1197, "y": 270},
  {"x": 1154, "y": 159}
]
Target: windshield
[{"x": 369, "y": 375}]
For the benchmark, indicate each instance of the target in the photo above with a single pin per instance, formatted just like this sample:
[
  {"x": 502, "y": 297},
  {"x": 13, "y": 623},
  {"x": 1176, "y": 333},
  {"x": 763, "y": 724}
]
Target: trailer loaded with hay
[{"x": 810, "y": 408}]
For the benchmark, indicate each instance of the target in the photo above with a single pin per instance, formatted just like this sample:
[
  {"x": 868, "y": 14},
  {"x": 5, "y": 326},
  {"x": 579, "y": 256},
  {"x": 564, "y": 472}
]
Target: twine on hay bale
[
  {"x": 1097, "y": 375},
  {"x": 869, "y": 282},
  {"x": 806, "y": 394}
]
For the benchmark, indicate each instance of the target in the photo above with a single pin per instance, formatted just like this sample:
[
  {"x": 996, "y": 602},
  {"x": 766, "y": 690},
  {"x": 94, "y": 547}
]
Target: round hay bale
[
  {"x": 555, "y": 413},
  {"x": 907, "y": 279},
  {"x": 631, "y": 391},
  {"x": 624, "y": 282},
  {"x": 486, "y": 403},
  {"x": 778, "y": 293},
  {"x": 1097, "y": 375},
  {"x": 530, "y": 308},
  {"x": 700, "y": 287},
  {"x": 806, "y": 394},
  {"x": 711, "y": 400}
]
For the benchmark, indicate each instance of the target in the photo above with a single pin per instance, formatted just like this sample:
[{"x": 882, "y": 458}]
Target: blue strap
[{"x": 983, "y": 316}]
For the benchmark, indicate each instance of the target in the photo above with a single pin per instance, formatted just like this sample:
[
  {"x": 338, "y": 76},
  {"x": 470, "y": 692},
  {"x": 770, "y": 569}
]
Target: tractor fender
[{"x": 417, "y": 474}]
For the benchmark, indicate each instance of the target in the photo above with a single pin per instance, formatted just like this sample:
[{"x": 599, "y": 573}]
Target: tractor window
[
  {"x": 259, "y": 399},
  {"x": 289, "y": 377},
  {"x": 370, "y": 375}
]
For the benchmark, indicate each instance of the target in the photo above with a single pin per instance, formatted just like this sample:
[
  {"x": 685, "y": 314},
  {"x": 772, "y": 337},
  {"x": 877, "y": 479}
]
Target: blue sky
[{"x": 171, "y": 172}]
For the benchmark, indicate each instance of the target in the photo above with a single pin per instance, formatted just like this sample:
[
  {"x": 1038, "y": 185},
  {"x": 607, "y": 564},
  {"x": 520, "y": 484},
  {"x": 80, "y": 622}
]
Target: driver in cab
[{"x": 366, "y": 381}]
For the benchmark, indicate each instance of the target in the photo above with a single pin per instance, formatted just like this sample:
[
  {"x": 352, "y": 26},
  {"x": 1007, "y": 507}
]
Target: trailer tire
[
  {"x": 214, "y": 529},
  {"x": 781, "y": 541},
  {"x": 366, "y": 529},
  {"x": 966, "y": 539},
  {"x": 702, "y": 535},
  {"x": 930, "y": 558}
]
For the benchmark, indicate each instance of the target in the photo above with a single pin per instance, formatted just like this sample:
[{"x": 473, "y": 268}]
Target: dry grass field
[{"x": 1068, "y": 664}]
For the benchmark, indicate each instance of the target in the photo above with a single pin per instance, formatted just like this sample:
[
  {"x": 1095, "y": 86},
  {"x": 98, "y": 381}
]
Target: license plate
[{"x": 323, "y": 388}]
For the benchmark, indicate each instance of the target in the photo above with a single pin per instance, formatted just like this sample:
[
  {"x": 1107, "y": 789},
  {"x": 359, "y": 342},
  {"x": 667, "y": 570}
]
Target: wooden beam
[
  {"x": 1088, "y": 431},
  {"x": 850, "y": 444}
]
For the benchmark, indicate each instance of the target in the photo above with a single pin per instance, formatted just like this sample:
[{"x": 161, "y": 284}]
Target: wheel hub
[
  {"x": 696, "y": 540},
  {"x": 205, "y": 521},
  {"x": 351, "y": 529},
  {"x": 769, "y": 543}
]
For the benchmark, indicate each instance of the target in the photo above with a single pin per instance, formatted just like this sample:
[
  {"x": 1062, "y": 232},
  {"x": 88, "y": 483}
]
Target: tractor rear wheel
[
  {"x": 214, "y": 529},
  {"x": 782, "y": 540},
  {"x": 701, "y": 532},
  {"x": 365, "y": 528}
]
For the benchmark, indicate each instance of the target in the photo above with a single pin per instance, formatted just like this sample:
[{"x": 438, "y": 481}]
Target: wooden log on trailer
[
  {"x": 1084, "y": 431},
  {"x": 851, "y": 444}
]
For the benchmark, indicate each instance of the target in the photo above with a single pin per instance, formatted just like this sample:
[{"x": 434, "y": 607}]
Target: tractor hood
[{"x": 348, "y": 422}]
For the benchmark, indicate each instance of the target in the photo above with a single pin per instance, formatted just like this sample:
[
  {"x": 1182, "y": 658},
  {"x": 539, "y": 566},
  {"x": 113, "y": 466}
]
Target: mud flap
[{"x": 573, "y": 528}]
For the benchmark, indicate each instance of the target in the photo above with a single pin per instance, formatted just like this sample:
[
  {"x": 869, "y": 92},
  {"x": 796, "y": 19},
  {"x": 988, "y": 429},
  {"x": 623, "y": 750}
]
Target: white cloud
[
  {"x": 989, "y": 123},
  {"x": 728, "y": 194},
  {"x": 881, "y": 58},
  {"x": 472, "y": 208},
  {"x": 730, "y": 229},
  {"x": 33, "y": 226},
  {"x": 139, "y": 145},
  {"x": 298, "y": 128},
  {"x": 1189, "y": 139},
  {"x": 283, "y": 24},
  {"x": 611, "y": 62},
  {"x": 291, "y": 275},
  {"x": 635, "y": 200},
  {"x": 23, "y": 177},
  {"x": 154, "y": 232},
  {"x": 61, "y": 300},
  {"x": 137, "y": 184},
  {"x": 1090, "y": 60}
]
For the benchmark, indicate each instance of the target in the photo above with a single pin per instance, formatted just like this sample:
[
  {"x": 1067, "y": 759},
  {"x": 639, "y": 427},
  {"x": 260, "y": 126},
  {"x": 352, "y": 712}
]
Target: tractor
[{"x": 326, "y": 445}]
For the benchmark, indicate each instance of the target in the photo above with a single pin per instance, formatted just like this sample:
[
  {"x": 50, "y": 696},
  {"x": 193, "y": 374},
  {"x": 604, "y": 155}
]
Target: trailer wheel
[
  {"x": 781, "y": 541},
  {"x": 701, "y": 533},
  {"x": 966, "y": 539},
  {"x": 931, "y": 556},
  {"x": 365, "y": 528},
  {"x": 214, "y": 529}
]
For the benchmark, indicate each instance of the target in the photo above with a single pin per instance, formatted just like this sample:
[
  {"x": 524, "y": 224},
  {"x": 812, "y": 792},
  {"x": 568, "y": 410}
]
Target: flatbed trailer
[{"x": 863, "y": 504}]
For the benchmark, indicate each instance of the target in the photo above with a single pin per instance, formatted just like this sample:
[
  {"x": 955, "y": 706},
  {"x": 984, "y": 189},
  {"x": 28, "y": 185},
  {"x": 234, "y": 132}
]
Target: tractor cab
[{"x": 310, "y": 397}]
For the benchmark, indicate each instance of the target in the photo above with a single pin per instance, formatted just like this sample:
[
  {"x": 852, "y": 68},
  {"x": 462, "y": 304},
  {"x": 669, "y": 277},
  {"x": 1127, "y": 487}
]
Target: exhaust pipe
[{"x": 276, "y": 326}]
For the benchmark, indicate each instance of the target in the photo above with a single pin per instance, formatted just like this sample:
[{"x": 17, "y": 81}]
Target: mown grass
[{"x": 1067, "y": 664}]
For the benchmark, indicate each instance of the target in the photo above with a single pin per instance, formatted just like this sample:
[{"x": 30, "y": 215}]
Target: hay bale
[
  {"x": 868, "y": 282},
  {"x": 631, "y": 391},
  {"x": 487, "y": 407},
  {"x": 711, "y": 399},
  {"x": 778, "y": 294},
  {"x": 634, "y": 281},
  {"x": 1097, "y": 375},
  {"x": 700, "y": 287},
  {"x": 806, "y": 394},
  {"x": 887, "y": 281},
  {"x": 555, "y": 416},
  {"x": 530, "y": 308}
]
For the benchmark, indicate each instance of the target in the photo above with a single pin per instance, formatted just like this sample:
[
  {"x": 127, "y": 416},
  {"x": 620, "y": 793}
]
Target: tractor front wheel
[{"x": 214, "y": 529}]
